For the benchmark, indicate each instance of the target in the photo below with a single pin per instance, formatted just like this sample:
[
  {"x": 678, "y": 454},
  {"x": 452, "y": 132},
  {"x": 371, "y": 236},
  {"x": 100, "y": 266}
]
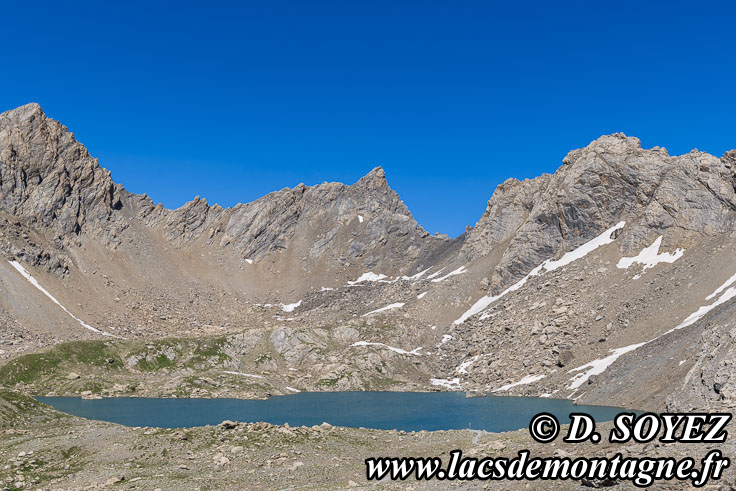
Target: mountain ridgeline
[{"x": 617, "y": 248}]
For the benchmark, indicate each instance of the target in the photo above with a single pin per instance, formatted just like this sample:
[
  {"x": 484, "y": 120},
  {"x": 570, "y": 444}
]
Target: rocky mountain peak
[
  {"x": 49, "y": 177},
  {"x": 24, "y": 112},
  {"x": 610, "y": 180},
  {"x": 376, "y": 178},
  {"x": 614, "y": 144}
]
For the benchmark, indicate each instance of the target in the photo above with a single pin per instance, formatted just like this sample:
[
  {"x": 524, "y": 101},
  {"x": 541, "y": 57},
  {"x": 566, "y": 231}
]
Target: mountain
[{"x": 588, "y": 283}]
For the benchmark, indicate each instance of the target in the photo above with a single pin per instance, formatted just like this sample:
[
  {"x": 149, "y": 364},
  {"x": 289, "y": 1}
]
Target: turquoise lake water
[{"x": 408, "y": 411}]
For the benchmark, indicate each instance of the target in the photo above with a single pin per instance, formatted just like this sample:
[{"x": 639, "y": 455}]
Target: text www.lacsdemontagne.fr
[{"x": 641, "y": 472}]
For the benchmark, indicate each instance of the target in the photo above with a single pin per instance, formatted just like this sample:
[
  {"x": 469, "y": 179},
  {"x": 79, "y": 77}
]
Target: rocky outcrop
[
  {"x": 610, "y": 180},
  {"x": 711, "y": 382},
  {"x": 365, "y": 222},
  {"x": 49, "y": 178}
]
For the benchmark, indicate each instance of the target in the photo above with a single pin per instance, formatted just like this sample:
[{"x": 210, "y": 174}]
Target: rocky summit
[{"x": 609, "y": 282}]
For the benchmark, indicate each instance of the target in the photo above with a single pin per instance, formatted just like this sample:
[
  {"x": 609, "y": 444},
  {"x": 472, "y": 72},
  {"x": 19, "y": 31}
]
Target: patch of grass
[
  {"x": 208, "y": 351},
  {"x": 34, "y": 366},
  {"x": 18, "y": 408},
  {"x": 156, "y": 363},
  {"x": 263, "y": 358}
]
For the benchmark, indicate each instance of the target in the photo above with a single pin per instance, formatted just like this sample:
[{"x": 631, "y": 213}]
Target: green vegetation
[
  {"x": 17, "y": 409},
  {"x": 29, "y": 368}
]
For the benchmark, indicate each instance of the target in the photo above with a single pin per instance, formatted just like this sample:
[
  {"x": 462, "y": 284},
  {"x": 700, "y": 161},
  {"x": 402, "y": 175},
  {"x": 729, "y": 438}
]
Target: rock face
[
  {"x": 49, "y": 178},
  {"x": 610, "y": 180},
  {"x": 365, "y": 223}
]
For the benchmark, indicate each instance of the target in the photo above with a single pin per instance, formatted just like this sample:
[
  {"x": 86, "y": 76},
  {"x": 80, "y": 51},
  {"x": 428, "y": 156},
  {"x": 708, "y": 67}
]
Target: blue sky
[{"x": 231, "y": 101}]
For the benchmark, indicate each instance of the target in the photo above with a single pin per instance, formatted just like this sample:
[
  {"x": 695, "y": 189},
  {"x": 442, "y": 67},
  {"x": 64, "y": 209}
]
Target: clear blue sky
[{"x": 234, "y": 101}]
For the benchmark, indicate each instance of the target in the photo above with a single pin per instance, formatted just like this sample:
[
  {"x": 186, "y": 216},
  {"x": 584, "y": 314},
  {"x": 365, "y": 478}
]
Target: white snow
[
  {"x": 650, "y": 257},
  {"x": 682, "y": 362},
  {"x": 369, "y": 276},
  {"x": 435, "y": 274},
  {"x": 291, "y": 307},
  {"x": 360, "y": 218},
  {"x": 459, "y": 270},
  {"x": 383, "y": 309},
  {"x": 546, "y": 266},
  {"x": 416, "y": 276},
  {"x": 463, "y": 367},
  {"x": 326, "y": 289},
  {"x": 421, "y": 295},
  {"x": 596, "y": 367},
  {"x": 381, "y": 278},
  {"x": 249, "y": 261},
  {"x": 292, "y": 389},
  {"x": 529, "y": 379},
  {"x": 729, "y": 292},
  {"x": 447, "y": 383},
  {"x": 244, "y": 374},
  {"x": 728, "y": 283},
  {"x": 414, "y": 352},
  {"x": 18, "y": 267},
  {"x": 583, "y": 250},
  {"x": 445, "y": 338}
]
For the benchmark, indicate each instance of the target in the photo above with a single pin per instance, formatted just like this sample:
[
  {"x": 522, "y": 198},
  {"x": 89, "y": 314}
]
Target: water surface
[{"x": 409, "y": 411}]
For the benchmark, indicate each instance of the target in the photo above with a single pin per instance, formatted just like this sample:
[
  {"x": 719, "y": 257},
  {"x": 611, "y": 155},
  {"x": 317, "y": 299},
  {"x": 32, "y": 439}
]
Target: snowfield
[
  {"x": 383, "y": 309},
  {"x": 529, "y": 379},
  {"x": 546, "y": 266},
  {"x": 650, "y": 257},
  {"x": 19, "y": 267},
  {"x": 452, "y": 384},
  {"x": 414, "y": 352}
]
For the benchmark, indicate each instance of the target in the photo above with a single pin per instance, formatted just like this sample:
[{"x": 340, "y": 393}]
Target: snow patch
[
  {"x": 244, "y": 374},
  {"x": 292, "y": 389},
  {"x": 383, "y": 309},
  {"x": 326, "y": 289},
  {"x": 249, "y": 261},
  {"x": 435, "y": 274},
  {"x": 369, "y": 276},
  {"x": 728, "y": 283},
  {"x": 596, "y": 367},
  {"x": 291, "y": 307},
  {"x": 360, "y": 218},
  {"x": 445, "y": 338},
  {"x": 529, "y": 379},
  {"x": 459, "y": 270},
  {"x": 463, "y": 367},
  {"x": 421, "y": 295},
  {"x": 452, "y": 384},
  {"x": 416, "y": 276},
  {"x": 650, "y": 257},
  {"x": 729, "y": 292},
  {"x": 414, "y": 352},
  {"x": 19, "y": 267},
  {"x": 545, "y": 267}
]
